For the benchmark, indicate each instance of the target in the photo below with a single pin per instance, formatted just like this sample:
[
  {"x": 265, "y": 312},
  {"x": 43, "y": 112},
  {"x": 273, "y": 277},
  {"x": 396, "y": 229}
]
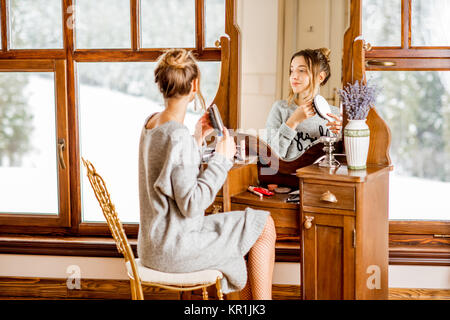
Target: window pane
[
  {"x": 430, "y": 23},
  {"x": 381, "y": 23},
  {"x": 168, "y": 23},
  {"x": 115, "y": 99},
  {"x": 36, "y": 24},
  {"x": 214, "y": 21},
  {"x": 28, "y": 167},
  {"x": 102, "y": 24},
  {"x": 416, "y": 106}
]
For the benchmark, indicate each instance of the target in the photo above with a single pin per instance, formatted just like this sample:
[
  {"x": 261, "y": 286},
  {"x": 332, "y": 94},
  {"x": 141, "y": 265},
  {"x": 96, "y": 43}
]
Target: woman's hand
[
  {"x": 300, "y": 114},
  {"x": 334, "y": 126},
  {"x": 226, "y": 146},
  {"x": 203, "y": 128}
]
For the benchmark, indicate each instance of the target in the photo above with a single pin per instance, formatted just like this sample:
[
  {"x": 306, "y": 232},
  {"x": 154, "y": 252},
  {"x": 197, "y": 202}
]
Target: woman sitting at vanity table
[{"x": 293, "y": 124}]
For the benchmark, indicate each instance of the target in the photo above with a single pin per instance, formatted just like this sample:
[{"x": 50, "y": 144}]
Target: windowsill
[
  {"x": 66, "y": 246},
  {"x": 436, "y": 255}
]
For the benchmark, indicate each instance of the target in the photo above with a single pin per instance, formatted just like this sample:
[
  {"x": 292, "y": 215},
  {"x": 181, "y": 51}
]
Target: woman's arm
[
  {"x": 336, "y": 125},
  {"x": 195, "y": 191},
  {"x": 279, "y": 135},
  {"x": 203, "y": 128}
]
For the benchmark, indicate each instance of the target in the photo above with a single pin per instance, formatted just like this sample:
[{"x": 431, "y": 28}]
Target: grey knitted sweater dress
[
  {"x": 289, "y": 143},
  {"x": 174, "y": 233}
]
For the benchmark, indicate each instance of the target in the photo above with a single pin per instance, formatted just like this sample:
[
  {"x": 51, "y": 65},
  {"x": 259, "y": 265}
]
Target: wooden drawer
[
  {"x": 286, "y": 220},
  {"x": 313, "y": 195}
]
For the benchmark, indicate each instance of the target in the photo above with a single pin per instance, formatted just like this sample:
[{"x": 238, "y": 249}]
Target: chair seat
[{"x": 175, "y": 279}]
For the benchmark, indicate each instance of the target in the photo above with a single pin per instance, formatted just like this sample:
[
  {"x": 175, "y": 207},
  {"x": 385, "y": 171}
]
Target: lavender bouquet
[{"x": 357, "y": 99}]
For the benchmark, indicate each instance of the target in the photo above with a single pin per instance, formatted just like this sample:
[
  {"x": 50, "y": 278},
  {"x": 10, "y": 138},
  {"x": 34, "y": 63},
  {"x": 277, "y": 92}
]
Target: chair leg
[
  {"x": 133, "y": 289},
  {"x": 219, "y": 289},
  {"x": 136, "y": 294},
  {"x": 205, "y": 293},
  {"x": 139, "y": 291}
]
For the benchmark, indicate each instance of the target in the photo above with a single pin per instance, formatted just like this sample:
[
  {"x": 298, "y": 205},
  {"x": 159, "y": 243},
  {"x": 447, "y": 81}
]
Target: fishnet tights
[{"x": 261, "y": 259}]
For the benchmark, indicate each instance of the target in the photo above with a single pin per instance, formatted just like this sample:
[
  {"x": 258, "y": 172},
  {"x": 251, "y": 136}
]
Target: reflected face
[{"x": 299, "y": 78}]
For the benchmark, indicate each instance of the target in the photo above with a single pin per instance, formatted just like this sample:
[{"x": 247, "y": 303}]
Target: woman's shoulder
[
  {"x": 280, "y": 104},
  {"x": 176, "y": 131},
  {"x": 170, "y": 130}
]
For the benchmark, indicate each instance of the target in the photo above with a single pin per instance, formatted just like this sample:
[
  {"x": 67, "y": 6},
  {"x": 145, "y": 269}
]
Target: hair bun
[
  {"x": 176, "y": 58},
  {"x": 326, "y": 53}
]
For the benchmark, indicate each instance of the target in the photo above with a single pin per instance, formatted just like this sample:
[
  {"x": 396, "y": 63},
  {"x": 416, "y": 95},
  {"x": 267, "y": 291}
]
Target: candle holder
[{"x": 328, "y": 160}]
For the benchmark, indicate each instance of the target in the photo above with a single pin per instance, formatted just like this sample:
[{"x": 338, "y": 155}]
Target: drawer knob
[
  {"x": 328, "y": 197},
  {"x": 216, "y": 208},
  {"x": 308, "y": 222}
]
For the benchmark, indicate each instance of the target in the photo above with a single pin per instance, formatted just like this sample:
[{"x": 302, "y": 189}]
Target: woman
[
  {"x": 293, "y": 125},
  {"x": 174, "y": 233}
]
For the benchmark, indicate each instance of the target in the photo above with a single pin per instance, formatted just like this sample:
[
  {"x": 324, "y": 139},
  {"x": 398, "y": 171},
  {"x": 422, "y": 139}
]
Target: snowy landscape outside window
[
  {"x": 27, "y": 139},
  {"x": 27, "y": 16}
]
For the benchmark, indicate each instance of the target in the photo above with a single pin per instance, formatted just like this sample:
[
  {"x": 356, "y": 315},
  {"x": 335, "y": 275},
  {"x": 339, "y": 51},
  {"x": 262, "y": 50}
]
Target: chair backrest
[{"x": 109, "y": 211}]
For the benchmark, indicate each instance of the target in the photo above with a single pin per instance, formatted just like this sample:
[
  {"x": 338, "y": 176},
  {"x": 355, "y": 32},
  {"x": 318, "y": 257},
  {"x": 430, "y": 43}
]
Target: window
[
  {"x": 27, "y": 138},
  {"x": 80, "y": 83},
  {"x": 165, "y": 25},
  {"x": 419, "y": 118},
  {"x": 28, "y": 28},
  {"x": 102, "y": 24},
  {"x": 34, "y": 177},
  {"x": 410, "y": 61},
  {"x": 382, "y": 22},
  {"x": 109, "y": 137},
  {"x": 214, "y": 22},
  {"x": 430, "y": 23}
]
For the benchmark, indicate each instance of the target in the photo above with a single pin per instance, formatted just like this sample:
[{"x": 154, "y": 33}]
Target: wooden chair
[{"x": 140, "y": 275}]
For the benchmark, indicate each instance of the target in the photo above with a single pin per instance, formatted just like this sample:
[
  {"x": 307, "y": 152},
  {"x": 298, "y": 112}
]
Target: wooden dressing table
[
  {"x": 339, "y": 230},
  {"x": 344, "y": 236}
]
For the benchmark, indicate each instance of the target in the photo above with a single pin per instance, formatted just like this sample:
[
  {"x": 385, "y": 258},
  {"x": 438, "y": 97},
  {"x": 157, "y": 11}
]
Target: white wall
[{"x": 258, "y": 23}]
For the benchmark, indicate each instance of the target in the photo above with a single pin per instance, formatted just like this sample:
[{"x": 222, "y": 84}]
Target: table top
[{"x": 342, "y": 173}]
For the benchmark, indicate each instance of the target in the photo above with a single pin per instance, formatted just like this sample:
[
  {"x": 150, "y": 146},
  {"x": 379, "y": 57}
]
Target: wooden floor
[{"x": 44, "y": 288}]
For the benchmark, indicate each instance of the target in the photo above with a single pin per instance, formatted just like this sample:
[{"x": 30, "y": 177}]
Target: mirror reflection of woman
[{"x": 293, "y": 124}]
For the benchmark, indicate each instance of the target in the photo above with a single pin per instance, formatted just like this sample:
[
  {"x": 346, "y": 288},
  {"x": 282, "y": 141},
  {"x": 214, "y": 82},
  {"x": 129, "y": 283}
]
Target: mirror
[
  {"x": 271, "y": 32},
  {"x": 322, "y": 108}
]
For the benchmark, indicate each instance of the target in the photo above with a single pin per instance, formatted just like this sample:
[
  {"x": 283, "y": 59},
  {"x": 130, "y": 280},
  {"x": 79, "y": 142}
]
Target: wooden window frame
[
  {"x": 408, "y": 57},
  {"x": 62, "y": 219},
  {"x": 419, "y": 238},
  {"x": 63, "y": 62}
]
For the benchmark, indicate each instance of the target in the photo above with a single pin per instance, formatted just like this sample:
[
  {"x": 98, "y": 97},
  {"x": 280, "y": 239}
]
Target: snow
[
  {"x": 36, "y": 180},
  {"x": 412, "y": 198}
]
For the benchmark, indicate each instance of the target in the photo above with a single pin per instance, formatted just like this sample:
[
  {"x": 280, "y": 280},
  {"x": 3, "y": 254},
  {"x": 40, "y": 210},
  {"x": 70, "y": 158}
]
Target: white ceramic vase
[{"x": 356, "y": 142}]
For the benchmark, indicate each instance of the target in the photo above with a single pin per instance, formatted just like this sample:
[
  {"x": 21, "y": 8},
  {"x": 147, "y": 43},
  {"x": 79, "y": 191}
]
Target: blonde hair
[
  {"x": 317, "y": 60},
  {"x": 175, "y": 71}
]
